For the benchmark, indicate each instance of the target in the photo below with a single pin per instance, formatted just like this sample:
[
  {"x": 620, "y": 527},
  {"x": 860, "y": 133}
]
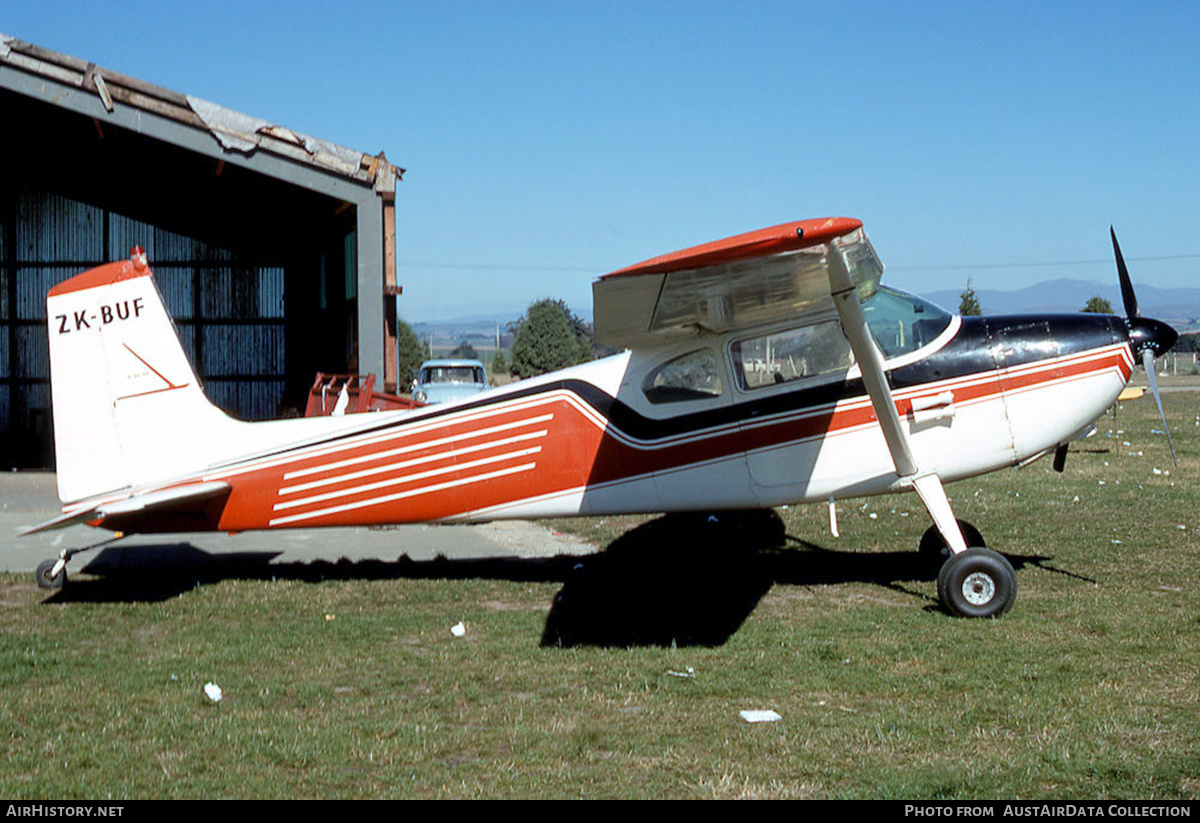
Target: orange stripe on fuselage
[{"x": 545, "y": 445}]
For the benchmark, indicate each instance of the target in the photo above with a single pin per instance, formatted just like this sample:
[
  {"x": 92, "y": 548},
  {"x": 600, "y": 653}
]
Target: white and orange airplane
[{"x": 765, "y": 369}]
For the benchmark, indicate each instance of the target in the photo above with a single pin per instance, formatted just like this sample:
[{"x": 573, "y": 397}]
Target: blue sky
[{"x": 549, "y": 142}]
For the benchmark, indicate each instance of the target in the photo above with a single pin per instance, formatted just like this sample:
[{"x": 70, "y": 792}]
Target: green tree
[
  {"x": 1098, "y": 305},
  {"x": 968, "y": 304},
  {"x": 548, "y": 337},
  {"x": 412, "y": 354},
  {"x": 465, "y": 351},
  {"x": 500, "y": 363}
]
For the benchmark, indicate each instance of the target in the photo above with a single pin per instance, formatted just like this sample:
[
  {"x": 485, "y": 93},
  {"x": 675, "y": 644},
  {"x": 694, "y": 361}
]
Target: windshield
[
  {"x": 902, "y": 322},
  {"x": 452, "y": 374}
]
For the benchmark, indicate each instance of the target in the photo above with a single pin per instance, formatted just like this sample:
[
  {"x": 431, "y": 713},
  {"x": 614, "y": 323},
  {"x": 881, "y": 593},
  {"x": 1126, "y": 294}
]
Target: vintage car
[{"x": 440, "y": 381}]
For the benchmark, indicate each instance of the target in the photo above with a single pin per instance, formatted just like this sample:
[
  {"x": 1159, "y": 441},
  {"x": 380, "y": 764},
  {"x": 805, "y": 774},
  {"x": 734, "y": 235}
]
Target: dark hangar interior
[{"x": 274, "y": 250}]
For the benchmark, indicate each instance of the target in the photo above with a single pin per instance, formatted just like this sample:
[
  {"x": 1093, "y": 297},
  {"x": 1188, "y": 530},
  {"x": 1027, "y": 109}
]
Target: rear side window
[
  {"x": 789, "y": 355},
  {"x": 692, "y": 376}
]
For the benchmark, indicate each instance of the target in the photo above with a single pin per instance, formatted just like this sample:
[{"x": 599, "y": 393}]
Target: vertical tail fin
[{"x": 127, "y": 405}]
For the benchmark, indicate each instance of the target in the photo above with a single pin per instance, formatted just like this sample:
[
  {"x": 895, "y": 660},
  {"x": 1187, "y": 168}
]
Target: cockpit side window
[
  {"x": 901, "y": 322},
  {"x": 692, "y": 376},
  {"x": 808, "y": 351}
]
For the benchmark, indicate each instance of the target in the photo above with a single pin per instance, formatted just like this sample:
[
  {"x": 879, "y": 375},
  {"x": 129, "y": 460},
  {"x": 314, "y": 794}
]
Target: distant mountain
[
  {"x": 480, "y": 326},
  {"x": 1179, "y": 307}
]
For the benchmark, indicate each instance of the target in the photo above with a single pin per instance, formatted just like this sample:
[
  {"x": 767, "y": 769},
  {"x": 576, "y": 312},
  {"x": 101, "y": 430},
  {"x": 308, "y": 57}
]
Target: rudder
[{"x": 127, "y": 405}]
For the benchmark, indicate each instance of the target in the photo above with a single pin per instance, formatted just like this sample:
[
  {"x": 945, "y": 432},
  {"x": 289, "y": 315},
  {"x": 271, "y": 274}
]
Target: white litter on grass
[
  {"x": 213, "y": 692},
  {"x": 760, "y": 716},
  {"x": 458, "y": 629},
  {"x": 688, "y": 672}
]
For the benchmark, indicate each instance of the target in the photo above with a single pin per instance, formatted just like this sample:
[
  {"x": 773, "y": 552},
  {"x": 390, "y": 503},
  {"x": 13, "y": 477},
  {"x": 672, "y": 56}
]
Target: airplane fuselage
[
  {"x": 984, "y": 394},
  {"x": 768, "y": 368}
]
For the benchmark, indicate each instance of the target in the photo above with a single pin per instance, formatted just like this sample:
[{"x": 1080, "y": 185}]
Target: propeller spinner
[{"x": 1149, "y": 338}]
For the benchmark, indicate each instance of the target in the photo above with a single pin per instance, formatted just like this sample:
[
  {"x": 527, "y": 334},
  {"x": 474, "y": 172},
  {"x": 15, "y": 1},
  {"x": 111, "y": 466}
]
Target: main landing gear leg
[
  {"x": 929, "y": 487},
  {"x": 974, "y": 581},
  {"x": 52, "y": 574},
  {"x": 934, "y": 550}
]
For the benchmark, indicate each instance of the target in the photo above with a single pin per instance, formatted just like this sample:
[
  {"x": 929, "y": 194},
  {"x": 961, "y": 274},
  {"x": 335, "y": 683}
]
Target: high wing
[
  {"x": 741, "y": 281},
  {"x": 792, "y": 270}
]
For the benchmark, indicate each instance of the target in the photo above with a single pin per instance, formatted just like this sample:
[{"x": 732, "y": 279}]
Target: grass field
[{"x": 623, "y": 674}]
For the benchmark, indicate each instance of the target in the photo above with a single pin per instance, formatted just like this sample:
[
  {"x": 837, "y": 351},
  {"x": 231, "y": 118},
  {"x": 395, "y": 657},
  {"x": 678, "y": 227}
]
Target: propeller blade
[
  {"x": 1148, "y": 362},
  {"x": 1127, "y": 295}
]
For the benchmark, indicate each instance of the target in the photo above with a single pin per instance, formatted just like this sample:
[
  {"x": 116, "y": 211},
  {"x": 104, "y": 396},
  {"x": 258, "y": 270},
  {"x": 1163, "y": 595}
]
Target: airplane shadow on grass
[{"x": 681, "y": 579}]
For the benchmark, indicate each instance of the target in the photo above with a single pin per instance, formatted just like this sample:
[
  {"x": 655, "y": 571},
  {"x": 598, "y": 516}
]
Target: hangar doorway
[
  {"x": 272, "y": 258},
  {"x": 237, "y": 318}
]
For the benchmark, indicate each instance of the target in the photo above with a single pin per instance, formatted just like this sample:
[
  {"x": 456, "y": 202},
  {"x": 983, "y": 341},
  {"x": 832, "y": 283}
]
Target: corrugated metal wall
[{"x": 229, "y": 310}]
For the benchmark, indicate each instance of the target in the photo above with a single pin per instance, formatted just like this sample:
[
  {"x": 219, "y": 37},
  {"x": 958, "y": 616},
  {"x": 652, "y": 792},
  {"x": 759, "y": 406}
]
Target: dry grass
[{"x": 622, "y": 675}]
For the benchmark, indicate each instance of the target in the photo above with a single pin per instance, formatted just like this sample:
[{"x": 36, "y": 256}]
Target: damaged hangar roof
[{"x": 233, "y": 130}]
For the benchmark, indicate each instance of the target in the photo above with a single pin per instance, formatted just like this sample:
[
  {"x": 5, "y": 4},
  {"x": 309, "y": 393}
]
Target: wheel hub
[{"x": 978, "y": 589}]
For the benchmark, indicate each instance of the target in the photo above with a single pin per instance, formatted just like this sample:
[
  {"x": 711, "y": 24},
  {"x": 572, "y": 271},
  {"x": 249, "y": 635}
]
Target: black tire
[
  {"x": 933, "y": 546},
  {"x": 42, "y": 575},
  {"x": 977, "y": 583}
]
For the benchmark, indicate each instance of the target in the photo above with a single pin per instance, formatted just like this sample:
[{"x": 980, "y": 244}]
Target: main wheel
[
  {"x": 42, "y": 575},
  {"x": 933, "y": 546},
  {"x": 977, "y": 583}
]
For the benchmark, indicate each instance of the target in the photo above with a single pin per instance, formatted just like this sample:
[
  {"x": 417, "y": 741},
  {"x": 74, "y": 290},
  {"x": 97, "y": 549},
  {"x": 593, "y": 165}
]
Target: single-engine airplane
[{"x": 765, "y": 369}]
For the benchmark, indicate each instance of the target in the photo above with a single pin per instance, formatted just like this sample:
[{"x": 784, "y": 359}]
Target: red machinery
[{"x": 358, "y": 391}]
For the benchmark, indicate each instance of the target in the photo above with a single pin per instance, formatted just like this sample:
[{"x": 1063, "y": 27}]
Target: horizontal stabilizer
[{"x": 177, "y": 500}]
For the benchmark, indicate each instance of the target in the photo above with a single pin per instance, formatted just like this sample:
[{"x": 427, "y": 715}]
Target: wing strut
[{"x": 854, "y": 324}]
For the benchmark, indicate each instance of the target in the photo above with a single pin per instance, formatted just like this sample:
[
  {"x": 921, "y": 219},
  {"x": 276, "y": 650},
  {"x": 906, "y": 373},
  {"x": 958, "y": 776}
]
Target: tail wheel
[
  {"x": 977, "y": 583},
  {"x": 43, "y": 575}
]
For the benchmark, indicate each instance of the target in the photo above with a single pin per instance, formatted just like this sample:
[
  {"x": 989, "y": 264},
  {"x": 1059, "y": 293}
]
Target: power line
[
  {"x": 1047, "y": 264},
  {"x": 536, "y": 267},
  {"x": 499, "y": 267}
]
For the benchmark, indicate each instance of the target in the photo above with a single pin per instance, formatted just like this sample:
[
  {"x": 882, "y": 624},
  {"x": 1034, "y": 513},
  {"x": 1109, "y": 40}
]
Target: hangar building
[{"x": 274, "y": 250}]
